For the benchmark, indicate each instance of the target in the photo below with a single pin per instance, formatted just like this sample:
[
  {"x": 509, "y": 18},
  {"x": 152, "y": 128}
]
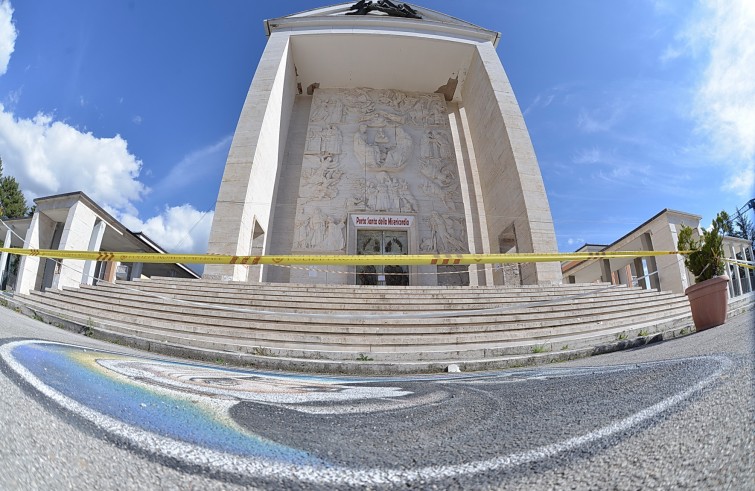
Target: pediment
[{"x": 341, "y": 14}]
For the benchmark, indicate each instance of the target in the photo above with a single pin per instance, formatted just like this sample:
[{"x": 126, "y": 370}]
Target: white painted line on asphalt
[{"x": 267, "y": 468}]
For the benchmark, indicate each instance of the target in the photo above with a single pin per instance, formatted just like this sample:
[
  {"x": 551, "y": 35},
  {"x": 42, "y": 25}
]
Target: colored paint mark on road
[{"x": 82, "y": 375}]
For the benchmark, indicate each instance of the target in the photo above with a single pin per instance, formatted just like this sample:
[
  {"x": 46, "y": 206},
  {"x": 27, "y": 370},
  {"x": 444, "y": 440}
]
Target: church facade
[{"x": 381, "y": 128}]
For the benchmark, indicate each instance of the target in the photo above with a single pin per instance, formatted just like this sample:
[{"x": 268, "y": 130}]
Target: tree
[
  {"x": 12, "y": 201},
  {"x": 744, "y": 228},
  {"x": 706, "y": 258}
]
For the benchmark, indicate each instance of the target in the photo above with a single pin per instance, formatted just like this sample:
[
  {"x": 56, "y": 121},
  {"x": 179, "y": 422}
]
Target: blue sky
[{"x": 632, "y": 105}]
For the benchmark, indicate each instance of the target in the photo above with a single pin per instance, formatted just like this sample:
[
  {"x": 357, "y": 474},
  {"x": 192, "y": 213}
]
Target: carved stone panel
[{"x": 378, "y": 151}]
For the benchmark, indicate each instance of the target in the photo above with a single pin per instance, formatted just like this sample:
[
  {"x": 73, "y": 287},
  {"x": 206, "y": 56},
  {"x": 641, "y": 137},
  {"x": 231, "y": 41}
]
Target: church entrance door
[{"x": 382, "y": 242}]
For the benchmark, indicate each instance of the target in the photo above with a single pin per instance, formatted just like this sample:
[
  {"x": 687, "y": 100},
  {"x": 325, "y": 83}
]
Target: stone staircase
[{"x": 351, "y": 329}]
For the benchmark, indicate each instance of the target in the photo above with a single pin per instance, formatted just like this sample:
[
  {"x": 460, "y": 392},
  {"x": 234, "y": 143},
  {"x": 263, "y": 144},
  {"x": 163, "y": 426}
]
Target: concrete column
[
  {"x": 605, "y": 270},
  {"x": 747, "y": 282},
  {"x": 737, "y": 280},
  {"x": 39, "y": 236},
  {"x": 628, "y": 273},
  {"x": 640, "y": 270},
  {"x": 4, "y": 255},
  {"x": 111, "y": 267},
  {"x": 77, "y": 234},
  {"x": 652, "y": 264},
  {"x": 136, "y": 271},
  {"x": 87, "y": 275}
]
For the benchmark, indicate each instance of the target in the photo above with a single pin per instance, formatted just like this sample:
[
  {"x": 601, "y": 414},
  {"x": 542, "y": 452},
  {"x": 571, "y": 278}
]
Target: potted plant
[{"x": 708, "y": 297}]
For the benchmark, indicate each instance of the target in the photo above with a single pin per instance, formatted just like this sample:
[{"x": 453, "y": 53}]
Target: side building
[
  {"x": 73, "y": 221},
  {"x": 381, "y": 129},
  {"x": 666, "y": 272}
]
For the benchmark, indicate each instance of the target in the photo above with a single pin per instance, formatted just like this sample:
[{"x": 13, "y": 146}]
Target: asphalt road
[{"x": 78, "y": 413}]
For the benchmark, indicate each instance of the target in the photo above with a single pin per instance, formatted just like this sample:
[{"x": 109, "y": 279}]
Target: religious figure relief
[
  {"x": 398, "y": 155},
  {"x": 436, "y": 112},
  {"x": 320, "y": 112},
  {"x": 377, "y": 119},
  {"x": 446, "y": 235},
  {"x": 435, "y": 192},
  {"x": 328, "y": 110},
  {"x": 390, "y": 149},
  {"x": 359, "y": 101},
  {"x": 366, "y": 153},
  {"x": 331, "y": 140},
  {"x": 384, "y": 193},
  {"x": 321, "y": 183},
  {"x": 436, "y": 145},
  {"x": 334, "y": 236},
  {"x": 319, "y": 231},
  {"x": 314, "y": 140},
  {"x": 324, "y": 141},
  {"x": 428, "y": 111}
]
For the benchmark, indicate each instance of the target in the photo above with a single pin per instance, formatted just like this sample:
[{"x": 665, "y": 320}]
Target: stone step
[
  {"x": 350, "y": 302},
  {"x": 222, "y": 344},
  {"x": 159, "y": 308},
  {"x": 306, "y": 334},
  {"x": 333, "y": 327},
  {"x": 554, "y": 303},
  {"x": 397, "y": 292}
]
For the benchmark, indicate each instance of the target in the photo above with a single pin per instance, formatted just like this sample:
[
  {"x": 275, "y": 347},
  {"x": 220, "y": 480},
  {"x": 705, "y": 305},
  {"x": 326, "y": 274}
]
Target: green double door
[{"x": 386, "y": 243}]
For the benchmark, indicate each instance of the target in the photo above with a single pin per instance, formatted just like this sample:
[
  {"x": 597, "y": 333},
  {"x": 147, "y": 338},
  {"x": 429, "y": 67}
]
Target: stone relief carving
[
  {"x": 321, "y": 183},
  {"x": 435, "y": 145},
  {"x": 331, "y": 140},
  {"x": 435, "y": 192},
  {"x": 446, "y": 235},
  {"x": 366, "y": 153},
  {"x": 384, "y": 193},
  {"x": 328, "y": 111},
  {"x": 319, "y": 231},
  {"x": 373, "y": 150},
  {"x": 389, "y": 151},
  {"x": 325, "y": 140}
]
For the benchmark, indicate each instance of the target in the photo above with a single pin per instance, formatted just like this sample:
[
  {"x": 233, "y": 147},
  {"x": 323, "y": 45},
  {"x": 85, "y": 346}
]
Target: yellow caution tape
[
  {"x": 344, "y": 260},
  {"x": 740, "y": 263}
]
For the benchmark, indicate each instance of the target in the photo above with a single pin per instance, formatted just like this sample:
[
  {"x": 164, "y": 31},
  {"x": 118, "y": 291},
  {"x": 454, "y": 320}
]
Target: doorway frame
[{"x": 384, "y": 222}]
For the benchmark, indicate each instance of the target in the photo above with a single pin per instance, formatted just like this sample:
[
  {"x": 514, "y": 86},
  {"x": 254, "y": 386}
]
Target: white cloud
[
  {"x": 726, "y": 97},
  {"x": 7, "y": 35},
  {"x": 670, "y": 53},
  {"x": 589, "y": 156},
  {"x": 178, "y": 229},
  {"x": 599, "y": 120},
  {"x": 194, "y": 166},
  {"x": 137, "y": 119},
  {"x": 741, "y": 183},
  {"x": 51, "y": 157},
  {"x": 724, "y": 102}
]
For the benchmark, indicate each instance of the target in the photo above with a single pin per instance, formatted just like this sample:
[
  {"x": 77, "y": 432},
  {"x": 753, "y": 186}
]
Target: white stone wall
[
  {"x": 248, "y": 189},
  {"x": 510, "y": 181},
  {"x": 282, "y": 229}
]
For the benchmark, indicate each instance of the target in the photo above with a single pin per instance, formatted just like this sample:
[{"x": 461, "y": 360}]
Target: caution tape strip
[
  {"x": 741, "y": 264},
  {"x": 344, "y": 260}
]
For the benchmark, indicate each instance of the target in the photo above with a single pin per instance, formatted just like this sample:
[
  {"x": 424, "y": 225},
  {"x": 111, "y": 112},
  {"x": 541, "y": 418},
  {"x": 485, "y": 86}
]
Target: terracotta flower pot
[{"x": 709, "y": 301}]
